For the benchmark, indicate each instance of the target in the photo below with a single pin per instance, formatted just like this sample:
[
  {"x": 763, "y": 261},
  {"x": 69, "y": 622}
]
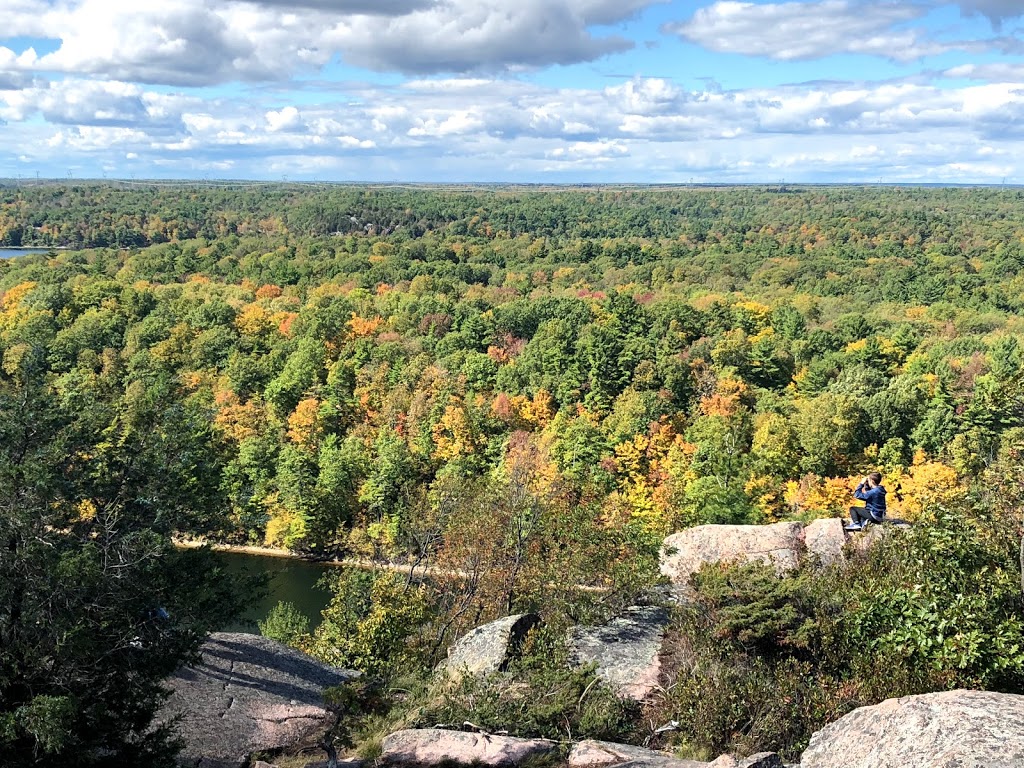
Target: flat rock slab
[
  {"x": 605, "y": 753},
  {"x": 953, "y": 729},
  {"x": 432, "y": 746},
  {"x": 683, "y": 553},
  {"x": 665, "y": 762},
  {"x": 762, "y": 760},
  {"x": 825, "y": 539},
  {"x": 490, "y": 647},
  {"x": 249, "y": 694},
  {"x": 626, "y": 650}
]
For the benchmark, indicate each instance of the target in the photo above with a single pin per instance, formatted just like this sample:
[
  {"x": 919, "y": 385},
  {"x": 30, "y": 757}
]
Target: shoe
[{"x": 854, "y": 527}]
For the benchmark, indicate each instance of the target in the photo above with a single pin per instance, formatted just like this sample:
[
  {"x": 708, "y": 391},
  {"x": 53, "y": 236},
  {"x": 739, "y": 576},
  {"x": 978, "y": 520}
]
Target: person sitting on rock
[{"x": 872, "y": 493}]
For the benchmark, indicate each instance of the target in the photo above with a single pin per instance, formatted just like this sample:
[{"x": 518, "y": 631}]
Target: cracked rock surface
[
  {"x": 249, "y": 694},
  {"x": 626, "y": 650},
  {"x": 490, "y": 647}
]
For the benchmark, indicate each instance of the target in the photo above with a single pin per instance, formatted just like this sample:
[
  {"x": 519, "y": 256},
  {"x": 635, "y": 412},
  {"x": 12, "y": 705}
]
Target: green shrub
[
  {"x": 765, "y": 661},
  {"x": 541, "y": 695},
  {"x": 370, "y": 623},
  {"x": 944, "y": 602},
  {"x": 286, "y": 624}
]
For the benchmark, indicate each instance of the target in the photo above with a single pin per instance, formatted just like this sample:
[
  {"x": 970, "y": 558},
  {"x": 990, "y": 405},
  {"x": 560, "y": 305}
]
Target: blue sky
[{"x": 556, "y": 91}]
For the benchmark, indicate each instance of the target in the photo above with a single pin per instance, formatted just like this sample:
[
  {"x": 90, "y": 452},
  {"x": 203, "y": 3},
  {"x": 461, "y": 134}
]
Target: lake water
[
  {"x": 10, "y": 253},
  {"x": 291, "y": 580}
]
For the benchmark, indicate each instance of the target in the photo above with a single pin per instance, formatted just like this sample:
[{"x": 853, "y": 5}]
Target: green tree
[
  {"x": 369, "y": 623},
  {"x": 286, "y": 624},
  {"x": 97, "y": 607}
]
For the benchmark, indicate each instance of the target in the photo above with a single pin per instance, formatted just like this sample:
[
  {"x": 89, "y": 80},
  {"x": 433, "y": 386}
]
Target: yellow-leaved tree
[
  {"x": 305, "y": 427},
  {"x": 926, "y": 484}
]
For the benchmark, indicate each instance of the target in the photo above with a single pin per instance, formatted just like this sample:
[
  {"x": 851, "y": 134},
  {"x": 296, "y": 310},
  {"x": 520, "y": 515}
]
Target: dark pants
[{"x": 860, "y": 515}]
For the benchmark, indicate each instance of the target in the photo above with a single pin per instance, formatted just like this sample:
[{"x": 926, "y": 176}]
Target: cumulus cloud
[
  {"x": 483, "y": 35},
  {"x": 371, "y": 7},
  {"x": 180, "y": 42},
  {"x": 643, "y": 130},
  {"x": 486, "y": 121},
  {"x": 800, "y": 30},
  {"x": 200, "y": 42},
  {"x": 284, "y": 120},
  {"x": 93, "y": 103},
  {"x": 590, "y": 151}
]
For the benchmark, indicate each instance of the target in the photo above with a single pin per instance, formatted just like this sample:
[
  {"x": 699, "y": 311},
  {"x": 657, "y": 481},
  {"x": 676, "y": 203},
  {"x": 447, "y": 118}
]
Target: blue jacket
[{"x": 874, "y": 500}]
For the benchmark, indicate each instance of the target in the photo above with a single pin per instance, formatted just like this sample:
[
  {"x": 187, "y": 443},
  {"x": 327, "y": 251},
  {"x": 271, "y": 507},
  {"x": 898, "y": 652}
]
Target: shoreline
[{"x": 415, "y": 571}]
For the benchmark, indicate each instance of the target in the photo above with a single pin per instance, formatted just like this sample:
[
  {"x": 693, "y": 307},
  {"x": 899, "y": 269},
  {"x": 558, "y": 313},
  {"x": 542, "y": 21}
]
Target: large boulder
[
  {"x": 683, "y": 553},
  {"x": 965, "y": 729},
  {"x": 626, "y": 650},
  {"x": 433, "y": 746},
  {"x": 249, "y": 694},
  {"x": 862, "y": 542},
  {"x": 825, "y": 539},
  {"x": 490, "y": 647}
]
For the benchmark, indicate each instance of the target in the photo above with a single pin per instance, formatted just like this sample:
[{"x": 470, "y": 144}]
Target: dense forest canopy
[
  {"x": 674, "y": 356},
  {"x": 533, "y": 386}
]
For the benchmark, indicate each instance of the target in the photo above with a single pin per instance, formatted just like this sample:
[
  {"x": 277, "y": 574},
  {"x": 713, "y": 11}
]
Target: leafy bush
[
  {"x": 541, "y": 695},
  {"x": 286, "y": 624},
  {"x": 945, "y": 602},
  {"x": 762, "y": 662},
  {"x": 370, "y": 622}
]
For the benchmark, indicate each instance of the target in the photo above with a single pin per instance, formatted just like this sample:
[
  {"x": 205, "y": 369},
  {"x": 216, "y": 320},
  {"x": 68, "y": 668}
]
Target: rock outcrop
[
  {"x": 626, "y": 650},
  {"x": 591, "y": 753},
  {"x": 782, "y": 545},
  {"x": 761, "y": 760},
  {"x": 825, "y": 539},
  {"x": 683, "y": 553},
  {"x": 431, "y": 746},
  {"x": 249, "y": 694},
  {"x": 490, "y": 647},
  {"x": 965, "y": 729}
]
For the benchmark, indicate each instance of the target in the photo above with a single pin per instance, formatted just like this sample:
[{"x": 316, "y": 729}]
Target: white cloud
[
  {"x": 92, "y": 102},
  {"x": 205, "y": 42},
  {"x": 501, "y": 128},
  {"x": 89, "y": 138},
  {"x": 998, "y": 71},
  {"x": 483, "y": 35},
  {"x": 646, "y": 96},
  {"x": 372, "y": 7},
  {"x": 285, "y": 119},
  {"x": 488, "y": 120},
  {"x": 593, "y": 150},
  {"x": 802, "y": 30},
  {"x": 457, "y": 123}
]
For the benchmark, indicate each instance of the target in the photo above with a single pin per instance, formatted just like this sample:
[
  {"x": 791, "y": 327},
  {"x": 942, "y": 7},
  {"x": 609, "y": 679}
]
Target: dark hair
[{"x": 875, "y": 478}]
